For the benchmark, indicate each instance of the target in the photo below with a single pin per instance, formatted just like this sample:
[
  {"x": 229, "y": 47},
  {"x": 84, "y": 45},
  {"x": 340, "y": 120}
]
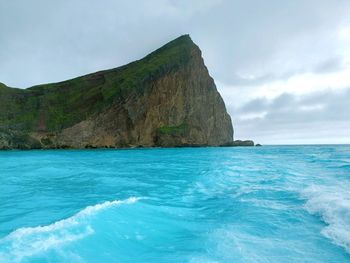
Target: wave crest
[
  {"x": 29, "y": 241},
  {"x": 332, "y": 203}
]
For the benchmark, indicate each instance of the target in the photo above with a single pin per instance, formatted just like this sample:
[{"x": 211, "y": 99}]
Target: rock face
[{"x": 166, "y": 99}]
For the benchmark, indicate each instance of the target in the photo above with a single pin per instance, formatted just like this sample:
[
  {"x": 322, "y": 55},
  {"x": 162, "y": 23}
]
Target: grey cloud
[
  {"x": 273, "y": 39},
  {"x": 254, "y": 106},
  {"x": 314, "y": 115},
  {"x": 329, "y": 65},
  {"x": 326, "y": 105}
]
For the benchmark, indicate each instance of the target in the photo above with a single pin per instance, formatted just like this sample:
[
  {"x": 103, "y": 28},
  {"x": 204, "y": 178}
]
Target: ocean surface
[{"x": 262, "y": 204}]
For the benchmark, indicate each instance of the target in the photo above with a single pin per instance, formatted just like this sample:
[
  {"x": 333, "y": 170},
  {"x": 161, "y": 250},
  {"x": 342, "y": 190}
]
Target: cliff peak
[
  {"x": 176, "y": 51},
  {"x": 183, "y": 40}
]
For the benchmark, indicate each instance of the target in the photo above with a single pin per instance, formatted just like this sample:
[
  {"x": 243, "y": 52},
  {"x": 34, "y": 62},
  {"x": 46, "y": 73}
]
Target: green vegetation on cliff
[{"x": 173, "y": 130}]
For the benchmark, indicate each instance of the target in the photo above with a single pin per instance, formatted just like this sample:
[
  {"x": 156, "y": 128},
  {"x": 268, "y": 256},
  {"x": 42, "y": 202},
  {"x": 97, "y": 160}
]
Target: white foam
[
  {"x": 332, "y": 203},
  {"x": 29, "y": 241}
]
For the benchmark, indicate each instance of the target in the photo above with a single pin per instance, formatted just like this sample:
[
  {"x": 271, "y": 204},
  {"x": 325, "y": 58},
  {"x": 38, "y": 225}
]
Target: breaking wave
[
  {"x": 28, "y": 241},
  {"x": 332, "y": 204}
]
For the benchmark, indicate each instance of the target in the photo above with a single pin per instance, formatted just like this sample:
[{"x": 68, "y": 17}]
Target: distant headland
[{"x": 166, "y": 99}]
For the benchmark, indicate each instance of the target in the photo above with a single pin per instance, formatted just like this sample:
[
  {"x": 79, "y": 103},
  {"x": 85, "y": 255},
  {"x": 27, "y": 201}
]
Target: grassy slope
[{"x": 61, "y": 105}]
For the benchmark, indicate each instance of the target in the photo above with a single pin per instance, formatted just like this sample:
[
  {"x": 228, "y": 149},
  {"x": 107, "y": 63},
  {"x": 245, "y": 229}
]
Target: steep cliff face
[{"x": 166, "y": 99}]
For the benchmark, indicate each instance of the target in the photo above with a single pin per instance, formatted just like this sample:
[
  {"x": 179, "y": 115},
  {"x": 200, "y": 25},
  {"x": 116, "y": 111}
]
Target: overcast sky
[{"x": 282, "y": 67}]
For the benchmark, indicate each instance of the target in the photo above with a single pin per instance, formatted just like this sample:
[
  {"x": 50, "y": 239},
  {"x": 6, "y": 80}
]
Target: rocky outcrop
[
  {"x": 167, "y": 99},
  {"x": 237, "y": 143}
]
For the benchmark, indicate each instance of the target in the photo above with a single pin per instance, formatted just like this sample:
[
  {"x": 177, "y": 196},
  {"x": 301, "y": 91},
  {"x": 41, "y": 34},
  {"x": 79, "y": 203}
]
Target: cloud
[
  {"x": 329, "y": 65},
  {"x": 332, "y": 64},
  {"x": 318, "y": 115},
  {"x": 269, "y": 40}
]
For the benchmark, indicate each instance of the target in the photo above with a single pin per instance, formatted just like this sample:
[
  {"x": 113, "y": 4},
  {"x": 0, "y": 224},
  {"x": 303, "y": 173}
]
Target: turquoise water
[{"x": 263, "y": 204}]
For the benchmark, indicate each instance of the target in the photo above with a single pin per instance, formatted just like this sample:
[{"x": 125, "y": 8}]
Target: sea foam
[
  {"x": 28, "y": 241},
  {"x": 332, "y": 203}
]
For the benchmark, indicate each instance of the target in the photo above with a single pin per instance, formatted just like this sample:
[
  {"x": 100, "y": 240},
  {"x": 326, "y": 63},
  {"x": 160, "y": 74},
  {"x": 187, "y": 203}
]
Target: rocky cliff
[{"x": 165, "y": 99}]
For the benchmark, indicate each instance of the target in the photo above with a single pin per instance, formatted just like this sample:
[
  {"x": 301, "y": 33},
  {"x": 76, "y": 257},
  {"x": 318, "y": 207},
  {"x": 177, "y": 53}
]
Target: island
[{"x": 166, "y": 99}]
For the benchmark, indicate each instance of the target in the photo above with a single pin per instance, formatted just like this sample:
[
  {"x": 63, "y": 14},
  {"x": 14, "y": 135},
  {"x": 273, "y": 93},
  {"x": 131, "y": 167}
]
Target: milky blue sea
[{"x": 262, "y": 204}]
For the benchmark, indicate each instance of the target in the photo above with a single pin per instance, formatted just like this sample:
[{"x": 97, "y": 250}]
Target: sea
[{"x": 255, "y": 204}]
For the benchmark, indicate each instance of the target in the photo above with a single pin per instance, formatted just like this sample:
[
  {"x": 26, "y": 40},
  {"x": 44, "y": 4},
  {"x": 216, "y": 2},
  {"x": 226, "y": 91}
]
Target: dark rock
[{"x": 239, "y": 143}]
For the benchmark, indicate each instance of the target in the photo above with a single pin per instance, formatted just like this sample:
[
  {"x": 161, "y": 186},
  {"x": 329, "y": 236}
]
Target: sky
[{"x": 282, "y": 67}]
